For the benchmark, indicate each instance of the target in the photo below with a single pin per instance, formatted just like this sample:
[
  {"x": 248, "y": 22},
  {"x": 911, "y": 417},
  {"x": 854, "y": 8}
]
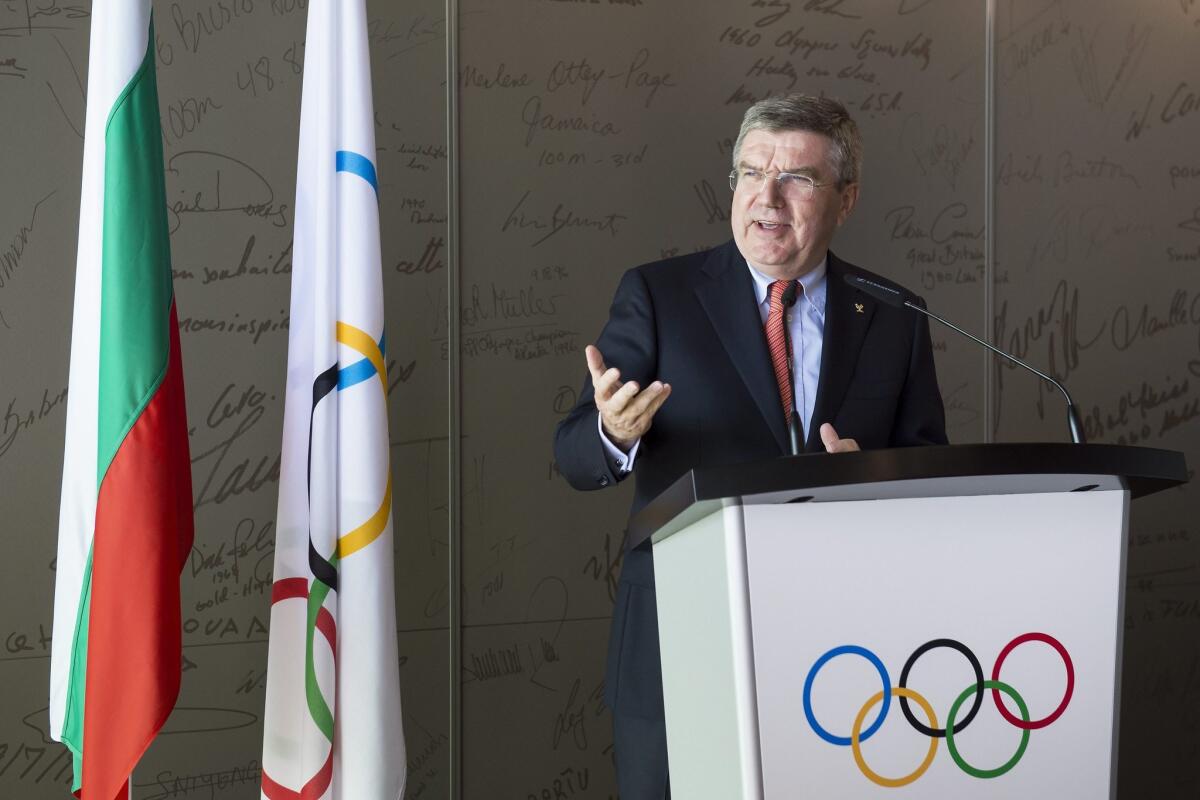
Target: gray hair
[{"x": 802, "y": 112}]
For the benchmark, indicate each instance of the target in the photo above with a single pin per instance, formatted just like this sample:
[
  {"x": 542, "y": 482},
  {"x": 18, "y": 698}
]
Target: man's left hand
[{"x": 834, "y": 444}]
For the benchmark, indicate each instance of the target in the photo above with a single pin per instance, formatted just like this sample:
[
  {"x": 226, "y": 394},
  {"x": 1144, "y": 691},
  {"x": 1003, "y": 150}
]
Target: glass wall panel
[
  {"x": 596, "y": 137},
  {"x": 229, "y": 77},
  {"x": 1097, "y": 247}
]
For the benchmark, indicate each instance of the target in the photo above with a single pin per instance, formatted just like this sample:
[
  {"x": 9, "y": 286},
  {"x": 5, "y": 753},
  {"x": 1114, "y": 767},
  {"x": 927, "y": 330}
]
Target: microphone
[
  {"x": 894, "y": 297},
  {"x": 789, "y": 299}
]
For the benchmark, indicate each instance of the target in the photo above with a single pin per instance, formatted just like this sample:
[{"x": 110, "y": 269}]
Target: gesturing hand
[{"x": 625, "y": 409}]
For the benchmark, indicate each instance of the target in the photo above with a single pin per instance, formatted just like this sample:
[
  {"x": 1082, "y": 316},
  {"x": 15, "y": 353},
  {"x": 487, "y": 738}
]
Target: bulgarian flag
[
  {"x": 125, "y": 522},
  {"x": 332, "y": 726}
]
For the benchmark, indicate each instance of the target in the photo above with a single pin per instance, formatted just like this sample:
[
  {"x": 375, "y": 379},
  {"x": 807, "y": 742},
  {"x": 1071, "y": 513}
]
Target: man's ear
[{"x": 849, "y": 200}]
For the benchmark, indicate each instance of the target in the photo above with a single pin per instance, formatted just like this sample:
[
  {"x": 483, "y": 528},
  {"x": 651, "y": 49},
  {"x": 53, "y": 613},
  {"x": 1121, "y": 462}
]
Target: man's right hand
[{"x": 625, "y": 409}]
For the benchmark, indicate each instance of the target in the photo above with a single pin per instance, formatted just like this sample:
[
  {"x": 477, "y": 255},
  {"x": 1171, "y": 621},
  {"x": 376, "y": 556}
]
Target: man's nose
[{"x": 771, "y": 196}]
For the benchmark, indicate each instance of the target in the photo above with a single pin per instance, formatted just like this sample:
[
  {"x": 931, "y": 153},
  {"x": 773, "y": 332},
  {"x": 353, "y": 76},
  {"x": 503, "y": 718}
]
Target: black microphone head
[
  {"x": 884, "y": 294},
  {"x": 789, "y": 295}
]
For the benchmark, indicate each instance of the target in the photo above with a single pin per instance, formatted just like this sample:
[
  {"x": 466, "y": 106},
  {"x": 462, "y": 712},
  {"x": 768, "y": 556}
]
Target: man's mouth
[{"x": 767, "y": 225}]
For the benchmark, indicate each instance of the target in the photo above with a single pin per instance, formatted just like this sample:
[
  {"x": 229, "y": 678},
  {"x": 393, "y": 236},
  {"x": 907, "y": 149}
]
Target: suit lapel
[
  {"x": 726, "y": 292},
  {"x": 848, "y": 315}
]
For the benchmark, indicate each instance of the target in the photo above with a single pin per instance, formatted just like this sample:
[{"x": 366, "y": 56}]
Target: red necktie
[{"x": 778, "y": 344}]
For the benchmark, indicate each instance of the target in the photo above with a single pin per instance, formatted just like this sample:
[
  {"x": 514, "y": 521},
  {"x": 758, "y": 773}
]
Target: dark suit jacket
[{"x": 693, "y": 322}]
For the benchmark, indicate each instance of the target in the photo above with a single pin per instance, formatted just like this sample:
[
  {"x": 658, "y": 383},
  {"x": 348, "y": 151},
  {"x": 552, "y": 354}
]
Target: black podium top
[{"x": 969, "y": 469}]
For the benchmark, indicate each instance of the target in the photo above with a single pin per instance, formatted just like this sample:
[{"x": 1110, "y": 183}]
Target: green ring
[{"x": 1012, "y": 762}]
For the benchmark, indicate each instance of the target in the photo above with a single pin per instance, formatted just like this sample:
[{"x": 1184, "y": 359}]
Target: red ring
[
  {"x": 1062, "y": 651},
  {"x": 314, "y": 787}
]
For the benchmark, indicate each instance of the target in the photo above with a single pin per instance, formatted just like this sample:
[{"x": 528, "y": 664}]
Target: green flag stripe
[{"x": 136, "y": 256}]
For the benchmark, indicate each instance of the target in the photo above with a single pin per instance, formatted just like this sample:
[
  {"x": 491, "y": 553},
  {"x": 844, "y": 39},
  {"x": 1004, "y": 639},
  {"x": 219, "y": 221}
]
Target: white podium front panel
[{"x": 907, "y": 596}]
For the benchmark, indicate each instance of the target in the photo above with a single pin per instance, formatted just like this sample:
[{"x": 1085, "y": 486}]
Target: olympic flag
[
  {"x": 332, "y": 723},
  {"x": 125, "y": 521}
]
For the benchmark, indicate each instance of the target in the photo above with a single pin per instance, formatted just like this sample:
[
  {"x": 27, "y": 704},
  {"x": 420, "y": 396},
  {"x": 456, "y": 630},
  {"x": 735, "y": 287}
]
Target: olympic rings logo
[{"x": 954, "y": 726}]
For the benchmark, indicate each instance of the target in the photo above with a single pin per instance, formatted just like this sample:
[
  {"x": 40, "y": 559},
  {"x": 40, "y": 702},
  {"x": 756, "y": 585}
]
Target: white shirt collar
[{"x": 812, "y": 282}]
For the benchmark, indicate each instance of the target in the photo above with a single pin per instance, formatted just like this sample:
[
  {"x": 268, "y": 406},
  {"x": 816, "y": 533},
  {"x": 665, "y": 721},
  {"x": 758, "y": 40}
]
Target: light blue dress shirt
[{"x": 806, "y": 329}]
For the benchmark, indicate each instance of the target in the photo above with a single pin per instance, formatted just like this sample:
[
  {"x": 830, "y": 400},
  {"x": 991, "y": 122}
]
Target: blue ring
[
  {"x": 847, "y": 649},
  {"x": 357, "y": 164}
]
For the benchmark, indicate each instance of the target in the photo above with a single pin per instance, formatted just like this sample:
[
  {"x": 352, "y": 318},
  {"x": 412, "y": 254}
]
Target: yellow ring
[
  {"x": 857, "y": 730},
  {"x": 369, "y": 531}
]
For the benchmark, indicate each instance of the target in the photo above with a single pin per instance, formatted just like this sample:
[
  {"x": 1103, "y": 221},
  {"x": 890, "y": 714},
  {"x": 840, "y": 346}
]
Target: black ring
[{"x": 979, "y": 688}]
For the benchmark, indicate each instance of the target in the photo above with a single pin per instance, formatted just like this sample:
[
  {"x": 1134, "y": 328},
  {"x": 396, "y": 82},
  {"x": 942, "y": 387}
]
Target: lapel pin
[{"x": 858, "y": 307}]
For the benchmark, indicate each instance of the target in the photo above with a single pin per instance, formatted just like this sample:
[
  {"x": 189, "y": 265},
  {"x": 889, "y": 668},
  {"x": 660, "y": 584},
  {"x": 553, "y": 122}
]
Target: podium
[{"x": 917, "y": 622}]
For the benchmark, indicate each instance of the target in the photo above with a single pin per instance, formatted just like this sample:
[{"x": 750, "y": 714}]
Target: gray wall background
[{"x": 595, "y": 136}]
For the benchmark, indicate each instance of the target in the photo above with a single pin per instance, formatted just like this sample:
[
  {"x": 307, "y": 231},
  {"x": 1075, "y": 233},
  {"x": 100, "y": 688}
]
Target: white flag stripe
[{"x": 119, "y": 30}]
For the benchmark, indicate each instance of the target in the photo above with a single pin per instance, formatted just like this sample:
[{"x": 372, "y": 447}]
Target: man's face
[{"x": 782, "y": 233}]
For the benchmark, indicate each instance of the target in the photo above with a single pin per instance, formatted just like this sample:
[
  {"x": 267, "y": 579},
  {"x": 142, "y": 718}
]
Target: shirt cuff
[{"x": 622, "y": 463}]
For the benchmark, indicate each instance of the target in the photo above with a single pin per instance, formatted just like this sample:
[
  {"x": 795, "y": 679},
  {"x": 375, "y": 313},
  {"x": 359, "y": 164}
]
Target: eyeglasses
[{"x": 790, "y": 185}]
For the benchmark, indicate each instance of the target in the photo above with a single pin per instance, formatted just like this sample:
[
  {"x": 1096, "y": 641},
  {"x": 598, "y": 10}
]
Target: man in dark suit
[{"x": 699, "y": 372}]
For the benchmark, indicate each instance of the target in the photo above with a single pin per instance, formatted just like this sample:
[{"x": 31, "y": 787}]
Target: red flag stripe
[{"x": 143, "y": 535}]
